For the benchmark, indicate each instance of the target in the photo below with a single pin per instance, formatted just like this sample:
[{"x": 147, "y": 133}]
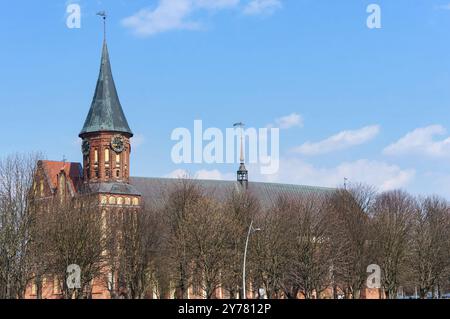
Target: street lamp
[{"x": 250, "y": 231}]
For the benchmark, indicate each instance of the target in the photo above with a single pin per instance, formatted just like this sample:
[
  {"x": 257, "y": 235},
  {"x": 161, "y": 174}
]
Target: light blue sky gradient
[{"x": 315, "y": 58}]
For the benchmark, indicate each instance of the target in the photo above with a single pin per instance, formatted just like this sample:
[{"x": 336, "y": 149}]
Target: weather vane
[{"x": 103, "y": 15}]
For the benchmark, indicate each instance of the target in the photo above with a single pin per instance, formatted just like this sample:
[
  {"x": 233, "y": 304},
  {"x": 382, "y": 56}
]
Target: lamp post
[{"x": 250, "y": 231}]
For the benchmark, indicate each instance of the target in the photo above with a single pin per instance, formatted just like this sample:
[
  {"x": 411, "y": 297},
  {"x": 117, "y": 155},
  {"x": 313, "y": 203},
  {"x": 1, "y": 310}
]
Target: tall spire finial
[
  {"x": 241, "y": 126},
  {"x": 106, "y": 113},
  {"x": 242, "y": 173},
  {"x": 103, "y": 15}
]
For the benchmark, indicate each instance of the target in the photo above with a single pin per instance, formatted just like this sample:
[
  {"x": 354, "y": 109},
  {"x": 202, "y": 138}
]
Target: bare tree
[
  {"x": 269, "y": 250},
  {"x": 112, "y": 231},
  {"x": 307, "y": 243},
  {"x": 392, "y": 225},
  {"x": 241, "y": 208},
  {"x": 75, "y": 237},
  {"x": 429, "y": 258},
  {"x": 185, "y": 194},
  {"x": 351, "y": 238},
  {"x": 140, "y": 244},
  {"x": 209, "y": 246},
  {"x": 16, "y": 224},
  {"x": 310, "y": 251}
]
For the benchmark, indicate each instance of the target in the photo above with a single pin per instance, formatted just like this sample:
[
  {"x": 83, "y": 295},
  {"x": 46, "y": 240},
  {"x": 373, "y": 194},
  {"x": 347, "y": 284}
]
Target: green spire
[{"x": 106, "y": 113}]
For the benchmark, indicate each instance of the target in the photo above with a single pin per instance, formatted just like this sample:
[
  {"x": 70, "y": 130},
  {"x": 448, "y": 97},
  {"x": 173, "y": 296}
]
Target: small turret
[{"x": 242, "y": 173}]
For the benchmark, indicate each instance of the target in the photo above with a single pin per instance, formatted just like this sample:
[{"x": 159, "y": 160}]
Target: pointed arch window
[
  {"x": 107, "y": 166},
  {"x": 96, "y": 173},
  {"x": 107, "y": 156},
  {"x": 62, "y": 185},
  {"x": 41, "y": 188},
  {"x": 56, "y": 286}
]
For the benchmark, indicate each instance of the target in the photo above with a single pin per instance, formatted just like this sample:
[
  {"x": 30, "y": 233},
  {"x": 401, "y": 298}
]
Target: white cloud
[
  {"x": 213, "y": 174},
  {"x": 444, "y": 7},
  {"x": 137, "y": 140},
  {"x": 288, "y": 121},
  {"x": 201, "y": 174},
  {"x": 179, "y": 14},
  {"x": 168, "y": 15},
  {"x": 339, "y": 141},
  {"x": 435, "y": 182},
  {"x": 262, "y": 7},
  {"x": 172, "y": 15},
  {"x": 382, "y": 175},
  {"x": 215, "y": 4},
  {"x": 421, "y": 141},
  {"x": 77, "y": 142},
  {"x": 178, "y": 173}
]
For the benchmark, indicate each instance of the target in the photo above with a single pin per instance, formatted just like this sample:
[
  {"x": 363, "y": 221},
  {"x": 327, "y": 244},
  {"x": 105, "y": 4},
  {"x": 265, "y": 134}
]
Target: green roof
[
  {"x": 105, "y": 114},
  {"x": 154, "y": 189},
  {"x": 110, "y": 188}
]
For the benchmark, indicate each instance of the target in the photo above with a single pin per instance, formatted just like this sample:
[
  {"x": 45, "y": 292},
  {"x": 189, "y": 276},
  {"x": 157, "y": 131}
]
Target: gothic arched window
[
  {"x": 41, "y": 188},
  {"x": 107, "y": 157}
]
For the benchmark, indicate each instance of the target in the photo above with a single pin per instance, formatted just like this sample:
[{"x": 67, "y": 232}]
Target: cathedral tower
[{"x": 106, "y": 135}]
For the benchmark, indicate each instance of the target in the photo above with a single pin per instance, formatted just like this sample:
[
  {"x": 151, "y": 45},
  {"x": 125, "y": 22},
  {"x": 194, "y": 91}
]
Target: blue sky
[{"x": 372, "y": 105}]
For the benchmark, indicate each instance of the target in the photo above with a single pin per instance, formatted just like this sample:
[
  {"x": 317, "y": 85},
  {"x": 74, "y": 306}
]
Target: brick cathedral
[
  {"x": 105, "y": 170},
  {"x": 105, "y": 173}
]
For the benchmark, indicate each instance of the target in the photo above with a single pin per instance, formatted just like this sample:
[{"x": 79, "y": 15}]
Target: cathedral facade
[{"x": 104, "y": 173}]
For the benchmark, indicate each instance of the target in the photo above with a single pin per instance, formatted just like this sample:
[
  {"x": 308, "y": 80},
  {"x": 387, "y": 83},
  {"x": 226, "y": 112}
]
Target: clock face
[
  {"x": 117, "y": 143},
  {"x": 85, "y": 147}
]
